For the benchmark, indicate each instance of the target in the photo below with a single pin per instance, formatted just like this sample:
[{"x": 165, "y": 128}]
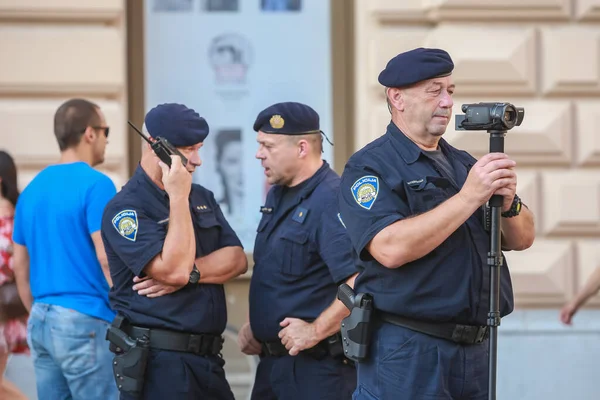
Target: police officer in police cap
[
  {"x": 169, "y": 250},
  {"x": 302, "y": 252},
  {"x": 412, "y": 204}
]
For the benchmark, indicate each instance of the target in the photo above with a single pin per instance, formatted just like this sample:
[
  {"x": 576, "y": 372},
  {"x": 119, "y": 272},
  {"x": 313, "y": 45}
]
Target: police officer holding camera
[
  {"x": 412, "y": 204},
  {"x": 302, "y": 252},
  {"x": 169, "y": 250}
]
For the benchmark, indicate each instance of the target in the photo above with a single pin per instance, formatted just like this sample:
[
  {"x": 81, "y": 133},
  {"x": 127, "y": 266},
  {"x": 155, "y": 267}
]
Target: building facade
[{"x": 542, "y": 55}]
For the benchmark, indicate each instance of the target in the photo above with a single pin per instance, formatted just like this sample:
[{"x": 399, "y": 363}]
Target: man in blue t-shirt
[{"x": 60, "y": 263}]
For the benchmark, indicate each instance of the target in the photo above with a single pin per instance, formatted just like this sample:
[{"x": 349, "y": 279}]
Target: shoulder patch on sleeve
[
  {"x": 126, "y": 223},
  {"x": 365, "y": 190}
]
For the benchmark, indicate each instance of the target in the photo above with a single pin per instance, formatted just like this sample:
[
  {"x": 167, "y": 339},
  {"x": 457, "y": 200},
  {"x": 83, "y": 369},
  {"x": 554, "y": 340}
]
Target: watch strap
[{"x": 515, "y": 208}]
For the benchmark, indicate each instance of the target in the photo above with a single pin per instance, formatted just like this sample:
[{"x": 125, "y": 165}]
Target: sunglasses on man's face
[{"x": 104, "y": 128}]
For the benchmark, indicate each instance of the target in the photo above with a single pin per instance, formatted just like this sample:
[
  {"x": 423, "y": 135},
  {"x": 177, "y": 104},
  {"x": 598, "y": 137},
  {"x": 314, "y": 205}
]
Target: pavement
[{"x": 20, "y": 372}]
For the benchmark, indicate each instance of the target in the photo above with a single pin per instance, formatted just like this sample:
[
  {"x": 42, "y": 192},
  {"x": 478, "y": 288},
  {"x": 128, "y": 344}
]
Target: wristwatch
[
  {"x": 515, "y": 208},
  {"x": 194, "y": 275}
]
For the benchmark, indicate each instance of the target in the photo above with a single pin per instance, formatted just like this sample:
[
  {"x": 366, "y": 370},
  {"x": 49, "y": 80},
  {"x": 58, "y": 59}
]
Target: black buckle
[
  {"x": 319, "y": 351},
  {"x": 217, "y": 345},
  {"x": 459, "y": 333},
  {"x": 205, "y": 345},
  {"x": 482, "y": 334},
  {"x": 469, "y": 334},
  {"x": 274, "y": 349},
  {"x": 194, "y": 344}
]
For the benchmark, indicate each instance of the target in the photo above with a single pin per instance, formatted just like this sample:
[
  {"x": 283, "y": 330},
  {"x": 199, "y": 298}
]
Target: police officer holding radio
[
  {"x": 169, "y": 250},
  {"x": 301, "y": 254},
  {"x": 412, "y": 204}
]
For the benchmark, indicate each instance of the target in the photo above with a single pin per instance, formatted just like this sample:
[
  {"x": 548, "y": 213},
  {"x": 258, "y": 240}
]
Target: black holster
[
  {"x": 334, "y": 344},
  {"x": 131, "y": 356},
  {"x": 356, "y": 328}
]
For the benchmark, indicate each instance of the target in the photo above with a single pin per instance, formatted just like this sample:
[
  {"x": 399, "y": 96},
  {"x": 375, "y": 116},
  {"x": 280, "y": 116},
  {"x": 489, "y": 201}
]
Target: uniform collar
[
  {"x": 307, "y": 186},
  {"x": 143, "y": 178},
  {"x": 311, "y": 183},
  {"x": 408, "y": 149}
]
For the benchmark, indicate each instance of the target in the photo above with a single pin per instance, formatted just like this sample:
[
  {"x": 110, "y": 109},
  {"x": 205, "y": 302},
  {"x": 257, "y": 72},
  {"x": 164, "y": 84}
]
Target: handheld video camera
[
  {"x": 489, "y": 117},
  {"x": 162, "y": 148}
]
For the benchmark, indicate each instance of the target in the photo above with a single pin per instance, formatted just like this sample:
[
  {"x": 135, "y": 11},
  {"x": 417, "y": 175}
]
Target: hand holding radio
[
  {"x": 177, "y": 180},
  {"x": 162, "y": 148}
]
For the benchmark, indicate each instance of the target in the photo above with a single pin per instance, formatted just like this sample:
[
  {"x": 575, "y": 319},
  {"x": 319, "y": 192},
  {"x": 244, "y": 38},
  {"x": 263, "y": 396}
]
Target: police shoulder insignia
[
  {"x": 126, "y": 223},
  {"x": 365, "y": 191},
  {"x": 276, "y": 121}
]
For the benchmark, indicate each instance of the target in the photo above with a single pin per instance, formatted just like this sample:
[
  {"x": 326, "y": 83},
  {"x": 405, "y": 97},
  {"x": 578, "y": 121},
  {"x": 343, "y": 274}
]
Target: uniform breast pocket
[
  {"x": 426, "y": 194},
  {"x": 208, "y": 229},
  {"x": 294, "y": 249},
  {"x": 207, "y": 221},
  {"x": 263, "y": 223}
]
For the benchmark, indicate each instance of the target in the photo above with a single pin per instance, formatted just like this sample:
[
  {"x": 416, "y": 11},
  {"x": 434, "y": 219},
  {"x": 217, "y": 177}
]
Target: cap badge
[{"x": 276, "y": 122}]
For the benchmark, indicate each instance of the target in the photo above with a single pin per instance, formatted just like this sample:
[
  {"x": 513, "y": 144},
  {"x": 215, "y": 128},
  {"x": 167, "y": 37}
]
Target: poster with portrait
[{"x": 228, "y": 60}]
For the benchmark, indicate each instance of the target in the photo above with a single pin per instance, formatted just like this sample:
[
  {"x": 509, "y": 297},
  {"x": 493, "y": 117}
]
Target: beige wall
[
  {"x": 539, "y": 54},
  {"x": 53, "y": 50}
]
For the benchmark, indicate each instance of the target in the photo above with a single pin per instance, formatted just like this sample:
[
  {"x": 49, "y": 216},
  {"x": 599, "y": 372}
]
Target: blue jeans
[
  {"x": 70, "y": 354},
  {"x": 408, "y": 365}
]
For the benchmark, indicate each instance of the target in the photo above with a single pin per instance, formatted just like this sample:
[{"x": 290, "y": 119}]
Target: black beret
[
  {"x": 288, "y": 119},
  {"x": 414, "y": 66},
  {"x": 180, "y": 125}
]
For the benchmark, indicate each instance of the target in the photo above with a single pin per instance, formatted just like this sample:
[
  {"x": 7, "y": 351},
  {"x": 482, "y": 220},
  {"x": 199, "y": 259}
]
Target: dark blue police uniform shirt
[
  {"x": 391, "y": 179},
  {"x": 134, "y": 228},
  {"x": 301, "y": 253}
]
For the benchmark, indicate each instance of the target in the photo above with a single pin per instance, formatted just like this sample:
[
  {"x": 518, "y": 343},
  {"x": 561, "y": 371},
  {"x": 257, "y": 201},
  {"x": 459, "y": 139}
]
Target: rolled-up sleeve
[
  {"x": 134, "y": 237},
  {"x": 367, "y": 205}
]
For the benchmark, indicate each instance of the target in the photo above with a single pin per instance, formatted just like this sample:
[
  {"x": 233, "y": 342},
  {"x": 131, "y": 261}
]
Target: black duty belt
[
  {"x": 161, "y": 339},
  {"x": 332, "y": 346},
  {"x": 463, "y": 334},
  {"x": 277, "y": 349}
]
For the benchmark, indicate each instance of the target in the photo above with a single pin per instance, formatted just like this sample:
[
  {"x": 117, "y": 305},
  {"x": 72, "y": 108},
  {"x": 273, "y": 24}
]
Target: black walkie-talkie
[{"x": 162, "y": 148}]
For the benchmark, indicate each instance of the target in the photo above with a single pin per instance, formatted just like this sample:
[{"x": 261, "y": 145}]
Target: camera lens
[{"x": 510, "y": 115}]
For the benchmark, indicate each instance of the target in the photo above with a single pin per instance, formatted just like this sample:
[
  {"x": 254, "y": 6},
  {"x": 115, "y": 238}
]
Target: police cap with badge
[
  {"x": 415, "y": 66},
  {"x": 288, "y": 118}
]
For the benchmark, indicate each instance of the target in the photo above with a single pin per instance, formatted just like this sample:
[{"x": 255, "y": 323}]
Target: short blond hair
[{"x": 316, "y": 140}]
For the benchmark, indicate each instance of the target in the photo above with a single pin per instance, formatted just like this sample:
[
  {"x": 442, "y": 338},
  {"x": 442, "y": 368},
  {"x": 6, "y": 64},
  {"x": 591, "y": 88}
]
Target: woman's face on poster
[{"x": 231, "y": 167}]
